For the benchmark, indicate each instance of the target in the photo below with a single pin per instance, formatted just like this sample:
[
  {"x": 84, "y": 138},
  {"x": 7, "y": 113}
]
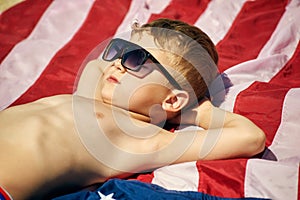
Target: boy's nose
[{"x": 118, "y": 65}]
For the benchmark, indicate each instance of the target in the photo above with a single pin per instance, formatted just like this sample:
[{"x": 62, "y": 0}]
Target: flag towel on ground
[
  {"x": 134, "y": 190},
  {"x": 44, "y": 42}
]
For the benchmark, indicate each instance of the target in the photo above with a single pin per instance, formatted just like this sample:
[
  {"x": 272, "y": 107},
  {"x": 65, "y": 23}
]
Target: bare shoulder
[
  {"x": 43, "y": 102},
  {"x": 54, "y": 100}
]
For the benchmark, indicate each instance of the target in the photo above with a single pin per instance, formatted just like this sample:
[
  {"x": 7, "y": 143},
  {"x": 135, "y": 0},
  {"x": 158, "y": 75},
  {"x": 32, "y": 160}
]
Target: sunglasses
[{"x": 133, "y": 58}]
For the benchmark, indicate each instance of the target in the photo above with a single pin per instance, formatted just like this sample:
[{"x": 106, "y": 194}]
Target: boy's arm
[
  {"x": 129, "y": 145},
  {"x": 225, "y": 134}
]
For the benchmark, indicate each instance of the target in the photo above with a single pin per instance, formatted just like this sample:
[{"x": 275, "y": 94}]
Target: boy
[{"x": 66, "y": 142}]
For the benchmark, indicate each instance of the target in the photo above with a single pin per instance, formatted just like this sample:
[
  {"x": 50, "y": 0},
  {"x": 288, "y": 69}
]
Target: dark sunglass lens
[
  {"x": 112, "y": 51},
  {"x": 134, "y": 59}
]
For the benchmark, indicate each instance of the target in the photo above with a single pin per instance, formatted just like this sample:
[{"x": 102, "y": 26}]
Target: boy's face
[{"x": 123, "y": 88}]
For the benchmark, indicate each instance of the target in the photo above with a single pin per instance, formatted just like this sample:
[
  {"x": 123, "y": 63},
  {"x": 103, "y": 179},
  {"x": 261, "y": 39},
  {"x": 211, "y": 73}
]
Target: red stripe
[
  {"x": 147, "y": 178},
  {"x": 266, "y": 99},
  {"x": 224, "y": 178},
  {"x": 60, "y": 74},
  {"x": 249, "y": 32},
  {"x": 187, "y": 11},
  {"x": 18, "y": 22}
]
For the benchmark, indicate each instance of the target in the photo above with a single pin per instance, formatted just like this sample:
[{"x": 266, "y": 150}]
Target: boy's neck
[{"x": 140, "y": 117}]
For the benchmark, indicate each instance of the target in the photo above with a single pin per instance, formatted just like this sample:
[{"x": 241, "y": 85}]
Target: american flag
[{"x": 43, "y": 44}]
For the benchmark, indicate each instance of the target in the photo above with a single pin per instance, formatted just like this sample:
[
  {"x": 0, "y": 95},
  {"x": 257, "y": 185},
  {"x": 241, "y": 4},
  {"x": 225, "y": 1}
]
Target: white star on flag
[{"x": 104, "y": 197}]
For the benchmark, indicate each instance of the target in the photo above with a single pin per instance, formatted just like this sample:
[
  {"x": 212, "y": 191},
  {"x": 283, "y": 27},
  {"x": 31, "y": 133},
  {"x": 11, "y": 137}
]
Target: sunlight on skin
[{"x": 6, "y": 4}]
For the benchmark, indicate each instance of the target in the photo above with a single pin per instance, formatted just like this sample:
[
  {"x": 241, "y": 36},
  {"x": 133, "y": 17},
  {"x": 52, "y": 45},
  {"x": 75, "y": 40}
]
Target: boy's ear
[{"x": 175, "y": 101}]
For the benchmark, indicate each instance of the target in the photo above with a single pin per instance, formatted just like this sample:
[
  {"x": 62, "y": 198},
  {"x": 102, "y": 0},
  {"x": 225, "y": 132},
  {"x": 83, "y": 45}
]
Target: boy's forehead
[
  {"x": 145, "y": 40},
  {"x": 148, "y": 42}
]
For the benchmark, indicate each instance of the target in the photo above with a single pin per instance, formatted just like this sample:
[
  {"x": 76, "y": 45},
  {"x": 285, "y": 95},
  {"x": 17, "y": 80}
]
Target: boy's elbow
[
  {"x": 261, "y": 141},
  {"x": 254, "y": 138},
  {"x": 256, "y": 142}
]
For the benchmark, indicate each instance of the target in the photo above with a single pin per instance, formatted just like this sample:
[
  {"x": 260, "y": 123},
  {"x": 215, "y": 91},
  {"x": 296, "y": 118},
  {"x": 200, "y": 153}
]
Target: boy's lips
[{"x": 113, "y": 79}]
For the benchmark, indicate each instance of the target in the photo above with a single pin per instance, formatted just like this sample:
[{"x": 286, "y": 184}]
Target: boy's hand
[{"x": 193, "y": 116}]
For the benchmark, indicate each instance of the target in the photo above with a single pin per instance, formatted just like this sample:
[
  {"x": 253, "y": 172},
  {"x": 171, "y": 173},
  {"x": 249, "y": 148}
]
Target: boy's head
[
  {"x": 178, "y": 64},
  {"x": 191, "y": 52}
]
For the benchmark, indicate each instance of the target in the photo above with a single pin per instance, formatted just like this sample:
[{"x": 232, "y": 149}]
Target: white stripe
[
  {"x": 279, "y": 180},
  {"x": 270, "y": 62},
  {"x": 27, "y": 60},
  {"x": 285, "y": 38},
  {"x": 218, "y": 18},
  {"x": 285, "y": 144},
  {"x": 244, "y": 74},
  {"x": 140, "y": 11},
  {"x": 180, "y": 177},
  {"x": 269, "y": 179}
]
